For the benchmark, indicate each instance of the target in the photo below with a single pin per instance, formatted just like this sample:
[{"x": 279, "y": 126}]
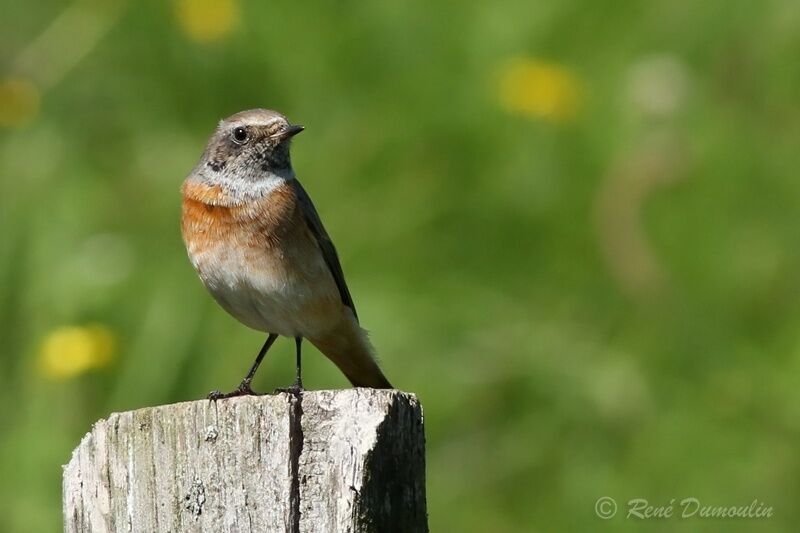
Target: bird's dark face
[{"x": 251, "y": 144}]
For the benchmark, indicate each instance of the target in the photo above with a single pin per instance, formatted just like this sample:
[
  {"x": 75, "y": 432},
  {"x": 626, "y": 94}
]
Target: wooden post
[{"x": 327, "y": 461}]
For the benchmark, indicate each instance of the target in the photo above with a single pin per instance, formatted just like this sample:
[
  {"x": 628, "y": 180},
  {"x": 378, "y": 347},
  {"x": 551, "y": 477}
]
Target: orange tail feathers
[{"x": 350, "y": 350}]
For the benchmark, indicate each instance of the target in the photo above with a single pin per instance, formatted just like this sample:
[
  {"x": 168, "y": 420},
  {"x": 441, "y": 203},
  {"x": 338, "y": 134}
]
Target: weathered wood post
[{"x": 327, "y": 461}]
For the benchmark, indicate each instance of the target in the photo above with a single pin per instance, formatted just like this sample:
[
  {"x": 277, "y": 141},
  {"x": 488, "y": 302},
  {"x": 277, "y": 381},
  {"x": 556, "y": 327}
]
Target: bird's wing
[{"x": 325, "y": 245}]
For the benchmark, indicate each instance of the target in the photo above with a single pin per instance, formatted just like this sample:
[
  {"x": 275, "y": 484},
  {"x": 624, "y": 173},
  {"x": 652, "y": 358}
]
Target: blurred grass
[{"x": 588, "y": 304}]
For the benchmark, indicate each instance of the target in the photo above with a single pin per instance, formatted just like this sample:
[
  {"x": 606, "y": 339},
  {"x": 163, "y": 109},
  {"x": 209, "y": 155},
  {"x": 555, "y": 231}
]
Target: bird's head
[{"x": 248, "y": 152}]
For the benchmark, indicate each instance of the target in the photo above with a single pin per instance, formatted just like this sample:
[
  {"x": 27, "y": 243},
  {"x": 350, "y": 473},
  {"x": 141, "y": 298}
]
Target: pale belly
[{"x": 290, "y": 293}]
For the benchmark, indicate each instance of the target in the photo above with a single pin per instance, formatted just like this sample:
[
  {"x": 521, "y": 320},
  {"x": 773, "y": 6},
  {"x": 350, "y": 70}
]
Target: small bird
[{"x": 259, "y": 246}]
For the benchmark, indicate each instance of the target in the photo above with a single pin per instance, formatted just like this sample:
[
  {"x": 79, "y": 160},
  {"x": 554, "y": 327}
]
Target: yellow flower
[
  {"x": 207, "y": 20},
  {"x": 540, "y": 90},
  {"x": 72, "y": 350},
  {"x": 19, "y": 102}
]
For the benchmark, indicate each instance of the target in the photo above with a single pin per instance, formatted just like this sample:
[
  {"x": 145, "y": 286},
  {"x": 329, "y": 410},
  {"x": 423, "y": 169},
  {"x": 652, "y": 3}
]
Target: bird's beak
[{"x": 289, "y": 131}]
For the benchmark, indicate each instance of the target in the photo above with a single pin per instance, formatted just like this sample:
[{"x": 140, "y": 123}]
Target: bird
[{"x": 258, "y": 245}]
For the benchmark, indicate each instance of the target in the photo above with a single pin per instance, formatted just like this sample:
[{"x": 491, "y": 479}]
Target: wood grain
[{"x": 327, "y": 461}]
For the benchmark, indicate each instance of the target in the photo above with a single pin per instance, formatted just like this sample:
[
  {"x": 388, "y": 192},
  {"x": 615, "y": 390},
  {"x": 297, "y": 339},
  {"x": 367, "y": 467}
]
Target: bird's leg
[
  {"x": 298, "y": 378},
  {"x": 244, "y": 388},
  {"x": 297, "y": 386}
]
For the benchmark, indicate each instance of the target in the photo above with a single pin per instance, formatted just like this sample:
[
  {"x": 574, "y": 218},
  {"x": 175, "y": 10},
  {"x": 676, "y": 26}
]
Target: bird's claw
[
  {"x": 243, "y": 389},
  {"x": 295, "y": 389}
]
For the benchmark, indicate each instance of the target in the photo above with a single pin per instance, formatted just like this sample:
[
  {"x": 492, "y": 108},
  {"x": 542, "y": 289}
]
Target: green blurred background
[{"x": 572, "y": 229}]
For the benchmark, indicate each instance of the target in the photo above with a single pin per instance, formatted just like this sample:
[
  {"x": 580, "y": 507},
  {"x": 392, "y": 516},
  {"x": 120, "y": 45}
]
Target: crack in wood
[{"x": 295, "y": 451}]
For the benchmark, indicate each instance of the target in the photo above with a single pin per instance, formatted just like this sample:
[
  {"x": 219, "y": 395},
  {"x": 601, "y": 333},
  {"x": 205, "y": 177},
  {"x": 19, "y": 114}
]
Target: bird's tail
[{"x": 350, "y": 350}]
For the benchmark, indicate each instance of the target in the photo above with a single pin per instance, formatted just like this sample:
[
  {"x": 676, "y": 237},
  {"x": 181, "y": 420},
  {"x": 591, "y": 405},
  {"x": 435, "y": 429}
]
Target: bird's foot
[
  {"x": 243, "y": 389},
  {"x": 296, "y": 388}
]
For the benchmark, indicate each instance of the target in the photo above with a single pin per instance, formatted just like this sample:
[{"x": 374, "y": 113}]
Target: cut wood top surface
[{"x": 343, "y": 460}]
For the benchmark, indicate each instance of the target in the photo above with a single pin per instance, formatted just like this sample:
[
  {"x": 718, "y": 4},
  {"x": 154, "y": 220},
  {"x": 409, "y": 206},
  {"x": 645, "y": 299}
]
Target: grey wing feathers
[{"x": 328, "y": 250}]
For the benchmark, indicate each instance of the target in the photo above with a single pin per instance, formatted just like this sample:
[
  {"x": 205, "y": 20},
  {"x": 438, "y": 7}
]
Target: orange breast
[
  {"x": 210, "y": 219},
  {"x": 260, "y": 261}
]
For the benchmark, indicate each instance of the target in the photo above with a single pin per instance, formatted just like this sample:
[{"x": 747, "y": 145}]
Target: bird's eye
[{"x": 240, "y": 135}]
